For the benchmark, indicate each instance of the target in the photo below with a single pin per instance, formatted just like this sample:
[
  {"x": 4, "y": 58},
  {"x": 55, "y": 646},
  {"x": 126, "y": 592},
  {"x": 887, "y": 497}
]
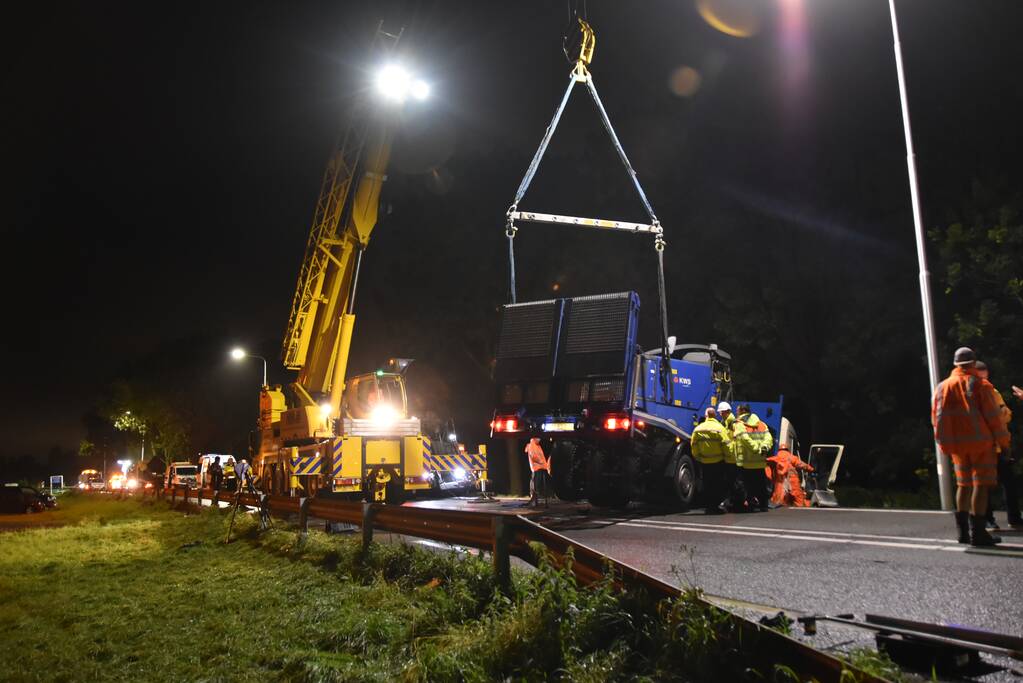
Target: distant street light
[{"x": 238, "y": 354}]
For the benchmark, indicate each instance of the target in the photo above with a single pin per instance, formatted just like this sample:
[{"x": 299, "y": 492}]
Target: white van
[
  {"x": 226, "y": 462},
  {"x": 180, "y": 474}
]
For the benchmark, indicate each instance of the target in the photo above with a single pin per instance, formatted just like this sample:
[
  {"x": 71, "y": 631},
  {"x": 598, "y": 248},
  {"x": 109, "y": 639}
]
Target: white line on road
[
  {"x": 811, "y": 532},
  {"x": 909, "y": 512},
  {"x": 733, "y": 531}
]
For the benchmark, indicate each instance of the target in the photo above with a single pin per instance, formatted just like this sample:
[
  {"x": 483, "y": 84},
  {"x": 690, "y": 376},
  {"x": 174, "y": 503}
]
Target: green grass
[{"x": 130, "y": 590}]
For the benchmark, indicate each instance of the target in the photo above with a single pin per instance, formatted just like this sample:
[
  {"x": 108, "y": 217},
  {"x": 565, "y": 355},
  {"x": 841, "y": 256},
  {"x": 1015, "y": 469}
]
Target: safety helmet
[
  {"x": 964, "y": 356},
  {"x": 723, "y": 406}
]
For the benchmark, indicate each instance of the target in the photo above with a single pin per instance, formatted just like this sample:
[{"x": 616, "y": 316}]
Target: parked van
[
  {"x": 90, "y": 480},
  {"x": 226, "y": 462},
  {"x": 181, "y": 473}
]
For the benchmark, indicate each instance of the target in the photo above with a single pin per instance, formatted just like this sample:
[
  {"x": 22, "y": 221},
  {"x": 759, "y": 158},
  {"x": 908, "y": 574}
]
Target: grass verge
[{"x": 136, "y": 590}]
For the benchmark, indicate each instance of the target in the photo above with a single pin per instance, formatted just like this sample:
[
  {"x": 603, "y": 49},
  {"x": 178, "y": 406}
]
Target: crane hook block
[{"x": 587, "y": 43}]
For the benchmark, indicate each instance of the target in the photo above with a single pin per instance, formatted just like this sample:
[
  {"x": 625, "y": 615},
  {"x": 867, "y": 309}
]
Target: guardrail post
[
  {"x": 198, "y": 497},
  {"x": 368, "y": 513},
  {"x": 303, "y": 516},
  {"x": 264, "y": 510},
  {"x": 502, "y": 558}
]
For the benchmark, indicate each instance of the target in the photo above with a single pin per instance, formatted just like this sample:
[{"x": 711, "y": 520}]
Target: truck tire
[
  {"x": 601, "y": 490},
  {"x": 567, "y": 471},
  {"x": 684, "y": 481}
]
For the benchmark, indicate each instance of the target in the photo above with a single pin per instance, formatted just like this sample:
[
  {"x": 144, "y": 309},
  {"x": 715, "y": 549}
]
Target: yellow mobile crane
[{"x": 350, "y": 437}]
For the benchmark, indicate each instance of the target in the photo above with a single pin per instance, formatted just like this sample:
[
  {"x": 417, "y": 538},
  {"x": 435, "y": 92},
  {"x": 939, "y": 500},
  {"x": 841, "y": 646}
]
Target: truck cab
[{"x": 615, "y": 419}]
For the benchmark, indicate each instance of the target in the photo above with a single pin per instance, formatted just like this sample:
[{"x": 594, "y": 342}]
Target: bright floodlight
[
  {"x": 326, "y": 410},
  {"x": 394, "y": 83},
  {"x": 383, "y": 415},
  {"x": 452, "y": 437},
  {"x": 459, "y": 473},
  {"x": 420, "y": 90},
  {"x": 397, "y": 84},
  {"x": 237, "y": 353}
]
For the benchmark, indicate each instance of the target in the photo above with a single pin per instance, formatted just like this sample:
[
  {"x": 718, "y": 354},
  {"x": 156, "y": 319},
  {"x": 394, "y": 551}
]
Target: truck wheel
[
  {"x": 565, "y": 474},
  {"x": 395, "y": 490},
  {"x": 601, "y": 490},
  {"x": 684, "y": 481}
]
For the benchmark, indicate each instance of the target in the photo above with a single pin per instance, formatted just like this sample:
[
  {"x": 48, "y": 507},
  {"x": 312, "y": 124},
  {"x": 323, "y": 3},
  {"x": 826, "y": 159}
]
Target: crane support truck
[{"x": 351, "y": 437}]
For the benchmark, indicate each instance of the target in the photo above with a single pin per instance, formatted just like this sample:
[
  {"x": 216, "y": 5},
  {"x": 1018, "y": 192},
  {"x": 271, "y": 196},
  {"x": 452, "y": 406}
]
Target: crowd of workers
[
  {"x": 971, "y": 426},
  {"x": 736, "y": 467},
  {"x": 738, "y": 471}
]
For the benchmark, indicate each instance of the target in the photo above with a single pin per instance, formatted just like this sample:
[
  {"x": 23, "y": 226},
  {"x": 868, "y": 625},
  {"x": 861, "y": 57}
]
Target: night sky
[{"x": 163, "y": 165}]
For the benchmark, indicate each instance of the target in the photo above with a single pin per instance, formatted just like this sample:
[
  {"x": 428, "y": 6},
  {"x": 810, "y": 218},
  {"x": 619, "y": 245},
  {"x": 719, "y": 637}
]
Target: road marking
[
  {"x": 909, "y": 512},
  {"x": 732, "y": 531},
  {"x": 812, "y": 532}
]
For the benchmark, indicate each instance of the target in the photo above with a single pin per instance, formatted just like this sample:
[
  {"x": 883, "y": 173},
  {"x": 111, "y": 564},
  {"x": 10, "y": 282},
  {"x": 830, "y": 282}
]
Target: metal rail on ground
[{"x": 505, "y": 536}]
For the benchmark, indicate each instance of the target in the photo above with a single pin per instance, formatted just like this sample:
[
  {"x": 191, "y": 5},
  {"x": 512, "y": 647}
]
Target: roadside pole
[{"x": 944, "y": 470}]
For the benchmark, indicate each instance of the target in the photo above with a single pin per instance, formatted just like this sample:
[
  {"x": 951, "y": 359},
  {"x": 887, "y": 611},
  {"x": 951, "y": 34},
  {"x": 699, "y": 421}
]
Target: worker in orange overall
[
  {"x": 788, "y": 489},
  {"x": 969, "y": 428},
  {"x": 540, "y": 466}
]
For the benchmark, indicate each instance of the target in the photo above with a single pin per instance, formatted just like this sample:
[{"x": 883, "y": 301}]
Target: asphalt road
[{"x": 826, "y": 561}]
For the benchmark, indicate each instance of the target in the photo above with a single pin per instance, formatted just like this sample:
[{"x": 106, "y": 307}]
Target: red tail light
[
  {"x": 614, "y": 423},
  {"x": 505, "y": 424}
]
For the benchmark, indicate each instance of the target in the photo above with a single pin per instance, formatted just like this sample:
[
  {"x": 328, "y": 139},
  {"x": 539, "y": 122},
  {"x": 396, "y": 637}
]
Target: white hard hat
[{"x": 723, "y": 406}]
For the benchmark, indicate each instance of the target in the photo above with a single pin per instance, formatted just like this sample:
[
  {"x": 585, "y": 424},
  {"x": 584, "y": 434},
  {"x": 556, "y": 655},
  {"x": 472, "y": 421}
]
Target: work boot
[
  {"x": 981, "y": 538},
  {"x": 963, "y": 524}
]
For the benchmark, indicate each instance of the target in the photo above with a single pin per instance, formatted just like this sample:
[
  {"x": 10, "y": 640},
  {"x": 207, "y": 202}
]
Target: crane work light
[{"x": 397, "y": 84}]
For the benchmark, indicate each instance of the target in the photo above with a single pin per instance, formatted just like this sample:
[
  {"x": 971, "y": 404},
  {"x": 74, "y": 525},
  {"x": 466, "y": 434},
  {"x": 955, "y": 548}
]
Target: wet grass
[{"x": 136, "y": 590}]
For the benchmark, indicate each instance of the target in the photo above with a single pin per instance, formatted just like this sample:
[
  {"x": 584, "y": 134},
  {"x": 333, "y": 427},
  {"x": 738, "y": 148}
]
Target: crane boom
[{"x": 318, "y": 334}]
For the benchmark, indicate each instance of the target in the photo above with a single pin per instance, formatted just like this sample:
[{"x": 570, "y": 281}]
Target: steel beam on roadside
[
  {"x": 369, "y": 511},
  {"x": 502, "y": 556},
  {"x": 303, "y": 515}
]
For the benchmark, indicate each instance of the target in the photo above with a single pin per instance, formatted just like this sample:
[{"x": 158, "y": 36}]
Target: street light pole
[
  {"x": 944, "y": 470},
  {"x": 238, "y": 354}
]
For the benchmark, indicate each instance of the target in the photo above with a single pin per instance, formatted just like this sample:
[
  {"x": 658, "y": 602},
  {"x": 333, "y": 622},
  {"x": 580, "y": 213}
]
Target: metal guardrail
[{"x": 512, "y": 535}]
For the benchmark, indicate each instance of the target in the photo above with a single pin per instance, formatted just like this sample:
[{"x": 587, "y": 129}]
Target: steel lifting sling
[{"x": 580, "y": 74}]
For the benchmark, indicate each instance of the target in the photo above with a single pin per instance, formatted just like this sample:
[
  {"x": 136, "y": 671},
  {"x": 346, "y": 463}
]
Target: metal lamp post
[
  {"x": 944, "y": 470},
  {"x": 239, "y": 354}
]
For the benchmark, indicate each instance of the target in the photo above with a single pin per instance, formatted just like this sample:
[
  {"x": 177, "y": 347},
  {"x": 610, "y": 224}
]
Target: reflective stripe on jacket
[
  {"x": 754, "y": 443},
  {"x": 709, "y": 442},
  {"x": 730, "y": 444},
  {"x": 966, "y": 416}
]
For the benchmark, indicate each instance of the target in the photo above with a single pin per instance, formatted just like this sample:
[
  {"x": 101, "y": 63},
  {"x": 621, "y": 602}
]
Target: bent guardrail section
[{"x": 512, "y": 535}]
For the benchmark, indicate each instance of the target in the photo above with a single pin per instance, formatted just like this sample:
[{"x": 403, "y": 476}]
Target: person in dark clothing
[
  {"x": 216, "y": 474},
  {"x": 1006, "y": 476}
]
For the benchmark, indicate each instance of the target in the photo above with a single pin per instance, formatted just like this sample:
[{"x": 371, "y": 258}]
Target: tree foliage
[{"x": 980, "y": 268}]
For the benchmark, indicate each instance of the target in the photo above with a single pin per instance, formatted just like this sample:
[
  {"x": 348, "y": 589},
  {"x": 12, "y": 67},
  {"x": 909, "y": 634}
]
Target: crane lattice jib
[{"x": 337, "y": 182}]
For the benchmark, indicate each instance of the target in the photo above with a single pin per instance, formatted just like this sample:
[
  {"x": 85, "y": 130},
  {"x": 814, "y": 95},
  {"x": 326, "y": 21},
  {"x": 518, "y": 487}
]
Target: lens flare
[{"x": 736, "y": 18}]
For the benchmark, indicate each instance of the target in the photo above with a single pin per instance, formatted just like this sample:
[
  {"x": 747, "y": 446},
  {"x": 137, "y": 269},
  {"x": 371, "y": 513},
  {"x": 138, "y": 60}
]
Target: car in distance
[{"x": 19, "y": 499}]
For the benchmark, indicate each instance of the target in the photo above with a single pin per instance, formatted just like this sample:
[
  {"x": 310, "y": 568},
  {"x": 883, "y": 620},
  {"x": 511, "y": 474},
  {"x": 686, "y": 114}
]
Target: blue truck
[{"x": 615, "y": 419}]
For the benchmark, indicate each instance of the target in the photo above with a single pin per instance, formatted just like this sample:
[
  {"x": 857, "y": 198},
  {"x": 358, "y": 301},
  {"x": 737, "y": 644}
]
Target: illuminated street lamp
[{"x": 238, "y": 353}]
